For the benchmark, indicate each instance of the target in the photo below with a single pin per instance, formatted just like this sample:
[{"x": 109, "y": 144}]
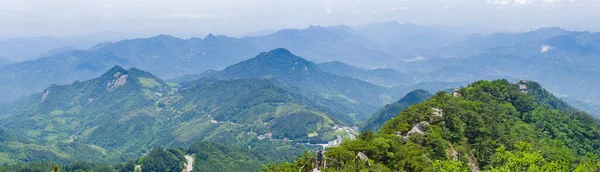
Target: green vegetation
[
  {"x": 149, "y": 82},
  {"x": 349, "y": 95},
  {"x": 391, "y": 110},
  {"x": 126, "y": 113},
  {"x": 490, "y": 126},
  {"x": 207, "y": 157}
]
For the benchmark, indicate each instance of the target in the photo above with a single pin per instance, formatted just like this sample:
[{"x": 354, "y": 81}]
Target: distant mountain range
[
  {"x": 390, "y": 54},
  {"x": 31, "y": 48}
]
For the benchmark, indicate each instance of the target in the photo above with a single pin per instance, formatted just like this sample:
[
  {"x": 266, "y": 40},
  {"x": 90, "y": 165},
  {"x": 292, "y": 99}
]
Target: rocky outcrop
[
  {"x": 455, "y": 93},
  {"x": 417, "y": 128},
  {"x": 437, "y": 112},
  {"x": 119, "y": 80},
  {"x": 522, "y": 85},
  {"x": 44, "y": 96}
]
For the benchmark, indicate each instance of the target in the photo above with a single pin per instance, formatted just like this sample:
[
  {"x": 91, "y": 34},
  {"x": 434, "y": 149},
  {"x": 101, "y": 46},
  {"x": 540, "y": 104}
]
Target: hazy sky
[{"x": 186, "y": 18}]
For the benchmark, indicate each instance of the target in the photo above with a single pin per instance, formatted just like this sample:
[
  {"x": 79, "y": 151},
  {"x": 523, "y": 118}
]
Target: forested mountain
[
  {"x": 392, "y": 110},
  {"x": 125, "y": 113},
  {"x": 488, "y": 125},
  {"x": 294, "y": 71}
]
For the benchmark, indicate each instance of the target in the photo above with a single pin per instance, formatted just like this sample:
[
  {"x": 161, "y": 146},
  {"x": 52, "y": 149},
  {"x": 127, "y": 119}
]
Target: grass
[{"x": 148, "y": 82}]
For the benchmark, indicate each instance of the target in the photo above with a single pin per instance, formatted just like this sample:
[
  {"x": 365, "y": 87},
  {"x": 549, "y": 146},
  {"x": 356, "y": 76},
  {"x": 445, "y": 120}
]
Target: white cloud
[
  {"x": 545, "y": 48},
  {"x": 328, "y": 10},
  {"x": 418, "y": 58}
]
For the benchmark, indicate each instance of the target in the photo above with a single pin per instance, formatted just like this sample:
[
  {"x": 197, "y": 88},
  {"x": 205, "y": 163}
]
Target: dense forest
[
  {"x": 207, "y": 156},
  {"x": 488, "y": 126}
]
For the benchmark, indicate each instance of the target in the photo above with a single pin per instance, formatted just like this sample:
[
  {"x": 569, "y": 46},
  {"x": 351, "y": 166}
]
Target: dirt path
[{"x": 190, "y": 162}]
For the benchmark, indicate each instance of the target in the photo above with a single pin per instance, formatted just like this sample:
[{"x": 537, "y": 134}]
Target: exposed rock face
[
  {"x": 417, "y": 128},
  {"x": 362, "y": 156},
  {"x": 420, "y": 127},
  {"x": 45, "y": 95},
  {"x": 119, "y": 80},
  {"x": 522, "y": 85},
  {"x": 455, "y": 93},
  {"x": 437, "y": 112}
]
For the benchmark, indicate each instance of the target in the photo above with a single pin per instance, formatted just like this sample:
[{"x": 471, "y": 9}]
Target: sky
[{"x": 196, "y": 18}]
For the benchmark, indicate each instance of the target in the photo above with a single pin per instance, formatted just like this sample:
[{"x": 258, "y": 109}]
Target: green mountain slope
[
  {"x": 489, "y": 126},
  {"x": 115, "y": 113},
  {"x": 392, "y": 110},
  {"x": 125, "y": 113},
  {"x": 293, "y": 71}
]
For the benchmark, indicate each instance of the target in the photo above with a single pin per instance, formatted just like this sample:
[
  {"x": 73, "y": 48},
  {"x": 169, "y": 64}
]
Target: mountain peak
[
  {"x": 550, "y": 31},
  {"x": 416, "y": 95},
  {"x": 209, "y": 36},
  {"x": 281, "y": 51},
  {"x": 117, "y": 71},
  {"x": 164, "y": 36},
  {"x": 277, "y": 62},
  {"x": 116, "y": 68},
  {"x": 282, "y": 56}
]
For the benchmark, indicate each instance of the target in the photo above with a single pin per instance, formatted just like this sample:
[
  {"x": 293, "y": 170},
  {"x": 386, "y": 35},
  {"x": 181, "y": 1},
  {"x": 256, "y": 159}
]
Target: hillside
[
  {"x": 110, "y": 114},
  {"x": 392, "y": 110},
  {"x": 125, "y": 113},
  {"x": 489, "y": 125},
  {"x": 294, "y": 71}
]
